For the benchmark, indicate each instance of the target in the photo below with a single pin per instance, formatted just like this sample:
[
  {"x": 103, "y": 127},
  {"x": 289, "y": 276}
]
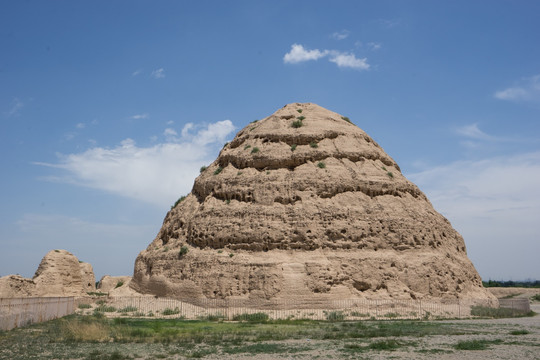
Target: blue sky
[{"x": 109, "y": 108}]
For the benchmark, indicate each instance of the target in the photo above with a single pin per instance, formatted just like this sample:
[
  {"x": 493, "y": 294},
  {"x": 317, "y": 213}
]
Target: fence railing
[
  {"x": 520, "y": 304},
  {"x": 16, "y": 312},
  {"x": 315, "y": 309}
]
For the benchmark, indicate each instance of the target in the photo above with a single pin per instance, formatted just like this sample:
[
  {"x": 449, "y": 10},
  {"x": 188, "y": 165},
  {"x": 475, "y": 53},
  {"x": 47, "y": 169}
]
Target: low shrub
[
  {"x": 118, "y": 284},
  {"x": 252, "y": 318},
  {"x": 321, "y": 165},
  {"x": 105, "y": 308},
  {"x": 335, "y": 316},
  {"x": 301, "y": 118},
  {"x": 519, "y": 332},
  {"x": 313, "y": 144},
  {"x": 182, "y": 198},
  {"x": 128, "y": 309},
  {"x": 489, "y": 312},
  {"x": 169, "y": 311},
  {"x": 293, "y": 147},
  {"x": 218, "y": 170},
  {"x": 84, "y": 306},
  {"x": 255, "y": 150},
  {"x": 202, "y": 169},
  {"x": 183, "y": 250},
  {"x": 247, "y": 147},
  {"x": 297, "y": 123},
  {"x": 346, "y": 119},
  {"x": 475, "y": 344},
  {"x": 299, "y": 110}
]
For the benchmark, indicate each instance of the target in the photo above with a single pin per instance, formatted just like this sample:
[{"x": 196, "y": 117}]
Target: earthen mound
[
  {"x": 60, "y": 273},
  {"x": 109, "y": 283},
  {"x": 304, "y": 204}
]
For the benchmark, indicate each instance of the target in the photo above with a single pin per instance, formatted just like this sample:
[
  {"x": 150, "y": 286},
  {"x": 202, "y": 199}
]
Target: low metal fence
[
  {"x": 315, "y": 309},
  {"x": 16, "y": 312}
]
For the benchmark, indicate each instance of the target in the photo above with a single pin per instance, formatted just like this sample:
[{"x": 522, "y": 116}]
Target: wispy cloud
[
  {"x": 341, "y": 35},
  {"x": 140, "y": 116},
  {"x": 492, "y": 202},
  {"x": 80, "y": 126},
  {"x": 158, "y": 73},
  {"x": 389, "y": 23},
  {"x": 299, "y": 54},
  {"x": 528, "y": 89},
  {"x": 16, "y": 106},
  {"x": 157, "y": 174},
  {"x": 472, "y": 131},
  {"x": 350, "y": 61},
  {"x": 136, "y": 72},
  {"x": 373, "y": 46}
]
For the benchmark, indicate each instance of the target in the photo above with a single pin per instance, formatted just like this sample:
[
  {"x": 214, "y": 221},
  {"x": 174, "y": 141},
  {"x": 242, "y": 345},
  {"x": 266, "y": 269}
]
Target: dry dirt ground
[
  {"x": 525, "y": 346},
  {"x": 509, "y": 338}
]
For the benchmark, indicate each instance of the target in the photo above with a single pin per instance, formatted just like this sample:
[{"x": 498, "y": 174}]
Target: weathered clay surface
[
  {"x": 300, "y": 212},
  {"x": 109, "y": 283},
  {"x": 88, "y": 278},
  {"x": 59, "y": 274},
  {"x": 12, "y": 286}
]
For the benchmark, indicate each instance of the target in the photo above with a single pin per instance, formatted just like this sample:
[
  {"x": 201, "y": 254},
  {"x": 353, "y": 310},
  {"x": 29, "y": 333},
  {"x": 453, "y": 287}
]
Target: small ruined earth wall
[{"x": 17, "y": 312}]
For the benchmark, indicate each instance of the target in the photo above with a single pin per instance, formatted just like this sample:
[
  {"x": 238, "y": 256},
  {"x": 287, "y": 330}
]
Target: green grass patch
[
  {"x": 252, "y": 318},
  {"x": 476, "y": 344},
  {"x": 105, "y": 308},
  {"x": 293, "y": 147},
  {"x": 182, "y": 198},
  {"x": 346, "y": 119},
  {"x": 84, "y": 306},
  {"x": 169, "y": 311},
  {"x": 246, "y": 147},
  {"x": 519, "y": 332},
  {"x": 496, "y": 313},
  {"x": 313, "y": 144},
  {"x": 128, "y": 309},
  {"x": 218, "y": 170},
  {"x": 536, "y": 297},
  {"x": 255, "y": 150}
]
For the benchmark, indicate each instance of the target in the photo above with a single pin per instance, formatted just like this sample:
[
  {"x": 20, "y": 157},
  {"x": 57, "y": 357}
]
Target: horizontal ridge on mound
[{"x": 304, "y": 199}]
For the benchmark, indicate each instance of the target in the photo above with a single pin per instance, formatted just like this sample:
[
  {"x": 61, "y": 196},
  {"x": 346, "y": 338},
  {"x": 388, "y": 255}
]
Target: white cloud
[
  {"x": 528, "y": 89},
  {"x": 186, "y": 128},
  {"x": 16, "y": 106},
  {"x": 350, "y": 61},
  {"x": 299, "y": 54},
  {"x": 140, "y": 116},
  {"x": 80, "y": 126},
  {"x": 170, "y": 134},
  {"x": 158, "y": 73},
  {"x": 341, "y": 35},
  {"x": 494, "y": 203},
  {"x": 472, "y": 131},
  {"x": 374, "y": 46},
  {"x": 136, "y": 72},
  {"x": 157, "y": 174}
]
